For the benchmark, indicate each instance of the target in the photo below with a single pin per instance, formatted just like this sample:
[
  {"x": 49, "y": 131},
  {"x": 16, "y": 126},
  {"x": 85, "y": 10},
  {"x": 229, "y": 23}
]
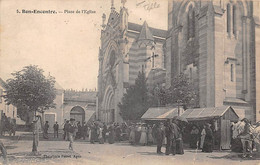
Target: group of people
[
  {"x": 203, "y": 139},
  {"x": 169, "y": 133},
  {"x": 95, "y": 131},
  {"x": 142, "y": 134},
  {"x": 7, "y": 125}
]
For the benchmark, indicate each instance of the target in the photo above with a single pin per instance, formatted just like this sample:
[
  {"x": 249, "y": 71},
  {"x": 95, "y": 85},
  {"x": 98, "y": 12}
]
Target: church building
[
  {"x": 126, "y": 49},
  {"x": 216, "y": 43}
]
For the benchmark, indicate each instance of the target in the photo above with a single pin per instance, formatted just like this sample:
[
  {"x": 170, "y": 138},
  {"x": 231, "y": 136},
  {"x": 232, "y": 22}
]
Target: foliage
[
  {"x": 158, "y": 96},
  {"x": 30, "y": 90},
  {"x": 25, "y": 115},
  {"x": 135, "y": 101},
  {"x": 182, "y": 91}
]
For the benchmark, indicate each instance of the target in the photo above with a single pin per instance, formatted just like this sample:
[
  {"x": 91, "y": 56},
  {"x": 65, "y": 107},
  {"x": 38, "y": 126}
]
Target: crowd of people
[{"x": 168, "y": 134}]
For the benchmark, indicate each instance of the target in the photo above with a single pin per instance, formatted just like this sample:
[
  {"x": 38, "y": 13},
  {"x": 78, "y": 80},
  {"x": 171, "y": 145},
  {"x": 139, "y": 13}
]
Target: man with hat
[
  {"x": 246, "y": 136},
  {"x": 71, "y": 129}
]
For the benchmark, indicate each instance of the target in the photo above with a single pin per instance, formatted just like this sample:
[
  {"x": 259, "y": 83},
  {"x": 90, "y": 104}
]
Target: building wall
[
  {"x": 57, "y": 111},
  {"x": 221, "y": 52}
]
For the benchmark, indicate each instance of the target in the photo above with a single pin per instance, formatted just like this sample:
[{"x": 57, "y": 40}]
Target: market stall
[{"x": 220, "y": 119}]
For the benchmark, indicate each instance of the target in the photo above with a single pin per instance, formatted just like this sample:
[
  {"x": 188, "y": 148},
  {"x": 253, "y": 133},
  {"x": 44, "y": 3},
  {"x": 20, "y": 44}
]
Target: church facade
[
  {"x": 216, "y": 43},
  {"x": 126, "y": 49}
]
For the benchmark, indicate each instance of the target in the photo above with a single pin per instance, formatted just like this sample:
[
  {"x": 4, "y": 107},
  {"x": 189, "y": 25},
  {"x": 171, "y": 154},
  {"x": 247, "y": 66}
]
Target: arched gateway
[{"x": 78, "y": 114}]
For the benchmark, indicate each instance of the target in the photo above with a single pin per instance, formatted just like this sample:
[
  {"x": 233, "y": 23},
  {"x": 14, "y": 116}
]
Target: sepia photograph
[{"x": 129, "y": 82}]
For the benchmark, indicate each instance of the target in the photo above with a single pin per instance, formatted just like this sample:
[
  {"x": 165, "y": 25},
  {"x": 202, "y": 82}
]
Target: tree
[
  {"x": 182, "y": 91},
  {"x": 135, "y": 101},
  {"x": 31, "y": 92},
  {"x": 25, "y": 115},
  {"x": 158, "y": 96}
]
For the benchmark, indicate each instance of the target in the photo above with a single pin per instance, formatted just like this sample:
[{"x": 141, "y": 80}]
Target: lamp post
[{"x": 178, "y": 104}]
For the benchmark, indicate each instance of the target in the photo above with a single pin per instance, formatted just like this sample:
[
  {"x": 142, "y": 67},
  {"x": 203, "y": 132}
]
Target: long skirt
[
  {"x": 111, "y": 138},
  {"x": 208, "y": 145},
  {"x": 150, "y": 138},
  {"x": 202, "y": 141},
  {"x": 137, "y": 137},
  {"x": 179, "y": 147},
  {"x": 132, "y": 137},
  {"x": 193, "y": 140},
  {"x": 143, "y": 139}
]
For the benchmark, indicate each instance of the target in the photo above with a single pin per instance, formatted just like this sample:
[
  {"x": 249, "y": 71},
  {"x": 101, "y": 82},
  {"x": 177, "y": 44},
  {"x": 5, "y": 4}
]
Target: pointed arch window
[
  {"x": 191, "y": 23},
  {"x": 234, "y": 20},
  {"x": 232, "y": 72},
  {"x": 228, "y": 18}
]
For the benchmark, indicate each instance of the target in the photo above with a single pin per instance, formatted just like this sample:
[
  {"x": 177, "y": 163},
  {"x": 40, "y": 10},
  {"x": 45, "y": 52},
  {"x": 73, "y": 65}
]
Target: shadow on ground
[
  {"x": 150, "y": 153},
  {"x": 237, "y": 156}
]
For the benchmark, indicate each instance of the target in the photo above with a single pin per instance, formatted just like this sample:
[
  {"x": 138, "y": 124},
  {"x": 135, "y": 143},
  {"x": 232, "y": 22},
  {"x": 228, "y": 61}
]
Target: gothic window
[
  {"x": 228, "y": 18},
  {"x": 234, "y": 20},
  {"x": 112, "y": 58},
  {"x": 191, "y": 23},
  {"x": 232, "y": 72}
]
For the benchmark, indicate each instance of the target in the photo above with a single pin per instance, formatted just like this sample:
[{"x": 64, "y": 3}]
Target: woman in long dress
[
  {"x": 208, "y": 142},
  {"x": 150, "y": 135},
  {"x": 100, "y": 136},
  {"x": 202, "y": 138},
  {"x": 143, "y": 138},
  {"x": 111, "y": 136},
  {"x": 132, "y": 135},
  {"x": 194, "y": 134},
  {"x": 179, "y": 141}
]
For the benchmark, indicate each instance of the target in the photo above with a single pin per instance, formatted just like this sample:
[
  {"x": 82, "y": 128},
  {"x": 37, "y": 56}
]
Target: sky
[{"x": 65, "y": 45}]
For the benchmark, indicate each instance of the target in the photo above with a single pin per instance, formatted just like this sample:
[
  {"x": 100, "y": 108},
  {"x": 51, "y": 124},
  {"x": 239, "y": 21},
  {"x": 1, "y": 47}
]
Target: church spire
[
  {"x": 145, "y": 33},
  {"x": 112, "y": 6}
]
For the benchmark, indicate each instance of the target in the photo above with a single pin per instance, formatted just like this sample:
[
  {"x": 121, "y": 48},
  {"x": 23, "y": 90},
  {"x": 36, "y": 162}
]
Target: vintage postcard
[{"x": 120, "y": 82}]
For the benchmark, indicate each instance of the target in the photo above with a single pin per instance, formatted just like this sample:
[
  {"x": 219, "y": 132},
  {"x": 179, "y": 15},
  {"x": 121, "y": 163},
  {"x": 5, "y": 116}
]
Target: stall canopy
[
  {"x": 227, "y": 112},
  {"x": 160, "y": 113}
]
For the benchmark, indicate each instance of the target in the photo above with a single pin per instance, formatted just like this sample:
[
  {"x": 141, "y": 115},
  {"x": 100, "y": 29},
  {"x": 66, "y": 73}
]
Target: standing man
[
  {"x": 104, "y": 131},
  {"x": 65, "y": 129},
  {"x": 84, "y": 130},
  {"x": 56, "y": 129},
  {"x": 45, "y": 130},
  {"x": 159, "y": 137},
  {"x": 71, "y": 129},
  {"x": 246, "y": 139}
]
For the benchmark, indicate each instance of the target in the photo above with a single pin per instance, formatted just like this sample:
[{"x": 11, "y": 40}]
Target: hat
[
  {"x": 207, "y": 124},
  {"x": 245, "y": 120}
]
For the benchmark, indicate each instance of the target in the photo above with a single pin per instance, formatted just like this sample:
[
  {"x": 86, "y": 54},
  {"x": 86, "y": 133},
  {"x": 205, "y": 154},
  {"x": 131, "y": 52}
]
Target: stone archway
[
  {"x": 78, "y": 114},
  {"x": 109, "y": 105}
]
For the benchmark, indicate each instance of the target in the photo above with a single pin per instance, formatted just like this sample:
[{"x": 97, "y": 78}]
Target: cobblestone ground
[{"x": 55, "y": 151}]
